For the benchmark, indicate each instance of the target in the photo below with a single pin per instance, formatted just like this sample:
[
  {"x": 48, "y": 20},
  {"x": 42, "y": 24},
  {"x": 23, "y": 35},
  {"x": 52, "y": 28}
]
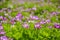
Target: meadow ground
[{"x": 29, "y": 20}]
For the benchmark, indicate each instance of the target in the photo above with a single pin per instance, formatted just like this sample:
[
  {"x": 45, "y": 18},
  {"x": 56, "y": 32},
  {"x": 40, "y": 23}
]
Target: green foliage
[
  {"x": 4, "y": 4},
  {"x": 28, "y": 5},
  {"x": 17, "y": 32},
  {"x": 25, "y": 14},
  {"x": 13, "y": 14}
]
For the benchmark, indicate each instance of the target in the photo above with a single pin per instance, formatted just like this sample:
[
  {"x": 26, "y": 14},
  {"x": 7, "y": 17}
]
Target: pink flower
[
  {"x": 37, "y": 25},
  {"x": 34, "y": 17},
  {"x": 56, "y": 25},
  {"x": 54, "y": 13},
  {"x": 19, "y": 16},
  {"x": 34, "y": 8},
  {"x": 12, "y": 21},
  {"x": 25, "y": 25},
  {"x": 2, "y": 32},
  {"x": 42, "y": 22},
  {"x": 1, "y": 17},
  {"x": 4, "y": 38},
  {"x": 1, "y": 27},
  {"x": 4, "y": 18},
  {"x": 47, "y": 21}
]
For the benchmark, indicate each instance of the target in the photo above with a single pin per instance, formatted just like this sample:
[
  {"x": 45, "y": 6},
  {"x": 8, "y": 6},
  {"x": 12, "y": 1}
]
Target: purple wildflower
[
  {"x": 56, "y": 25},
  {"x": 47, "y": 21},
  {"x": 2, "y": 32},
  {"x": 4, "y": 18},
  {"x": 42, "y": 22},
  {"x": 1, "y": 27},
  {"x": 37, "y": 25},
  {"x": 19, "y": 16},
  {"x": 25, "y": 25},
  {"x": 1, "y": 17},
  {"x": 54, "y": 13},
  {"x": 34, "y": 17},
  {"x": 12, "y": 21},
  {"x": 4, "y": 38},
  {"x": 34, "y": 8}
]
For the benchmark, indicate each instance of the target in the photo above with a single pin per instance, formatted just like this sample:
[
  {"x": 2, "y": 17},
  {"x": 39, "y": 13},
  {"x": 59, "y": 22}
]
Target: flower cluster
[
  {"x": 2, "y": 33},
  {"x": 19, "y": 17},
  {"x": 29, "y": 16},
  {"x": 56, "y": 25}
]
